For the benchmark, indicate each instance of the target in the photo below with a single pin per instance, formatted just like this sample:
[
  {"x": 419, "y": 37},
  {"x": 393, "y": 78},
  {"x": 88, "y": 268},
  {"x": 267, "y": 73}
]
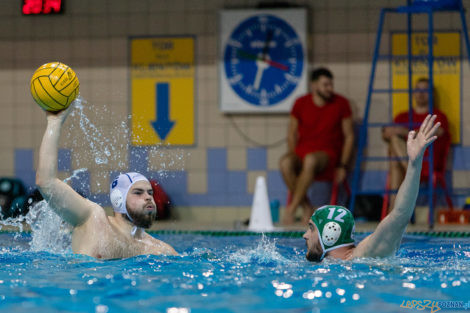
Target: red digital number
[{"x": 41, "y": 6}]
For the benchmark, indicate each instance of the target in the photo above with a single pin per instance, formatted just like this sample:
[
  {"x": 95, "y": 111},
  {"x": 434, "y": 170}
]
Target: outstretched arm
[
  {"x": 61, "y": 197},
  {"x": 385, "y": 240}
]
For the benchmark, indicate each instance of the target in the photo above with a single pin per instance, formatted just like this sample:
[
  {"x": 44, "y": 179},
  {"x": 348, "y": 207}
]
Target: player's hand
[
  {"x": 59, "y": 116},
  {"x": 419, "y": 141}
]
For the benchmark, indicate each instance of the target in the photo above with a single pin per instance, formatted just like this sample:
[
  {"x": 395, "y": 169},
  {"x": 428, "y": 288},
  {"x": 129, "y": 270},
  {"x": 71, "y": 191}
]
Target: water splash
[
  {"x": 48, "y": 231},
  {"x": 265, "y": 253},
  {"x": 99, "y": 145}
]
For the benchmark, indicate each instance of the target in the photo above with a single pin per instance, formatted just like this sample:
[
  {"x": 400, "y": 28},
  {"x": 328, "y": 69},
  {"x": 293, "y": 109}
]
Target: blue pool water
[{"x": 231, "y": 274}]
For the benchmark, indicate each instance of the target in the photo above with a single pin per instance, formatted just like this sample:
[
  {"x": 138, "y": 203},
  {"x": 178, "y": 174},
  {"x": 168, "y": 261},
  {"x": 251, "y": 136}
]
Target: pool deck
[{"x": 360, "y": 226}]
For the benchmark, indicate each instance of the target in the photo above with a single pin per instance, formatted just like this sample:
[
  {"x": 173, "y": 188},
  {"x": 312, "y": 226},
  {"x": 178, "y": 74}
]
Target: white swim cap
[{"x": 119, "y": 189}]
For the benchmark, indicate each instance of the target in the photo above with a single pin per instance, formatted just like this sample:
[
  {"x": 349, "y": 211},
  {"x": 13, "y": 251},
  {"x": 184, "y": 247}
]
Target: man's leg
[
  {"x": 289, "y": 165},
  {"x": 312, "y": 164},
  {"x": 397, "y": 167}
]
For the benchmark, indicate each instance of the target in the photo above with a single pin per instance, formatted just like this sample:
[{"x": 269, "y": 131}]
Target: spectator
[
  {"x": 320, "y": 142},
  {"x": 396, "y": 136}
]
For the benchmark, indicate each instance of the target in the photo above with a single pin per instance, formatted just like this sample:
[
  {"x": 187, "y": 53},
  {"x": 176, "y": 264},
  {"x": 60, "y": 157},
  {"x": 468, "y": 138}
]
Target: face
[
  {"x": 323, "y": 87},
  {"x": 314, "y": 250},
  {"x": 140, "y": 204},
  {"x": 422, "y": 94}
]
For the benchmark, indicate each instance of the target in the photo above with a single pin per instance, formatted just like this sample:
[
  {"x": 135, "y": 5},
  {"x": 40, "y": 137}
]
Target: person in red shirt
[
  {"x": 320, "y": 142},
  {"x": 396, "y": 136}
]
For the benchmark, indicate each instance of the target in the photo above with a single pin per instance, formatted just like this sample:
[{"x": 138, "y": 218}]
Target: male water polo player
[
  {"x": 331, "y": 228},
  {"x": 94, "y": 233}
]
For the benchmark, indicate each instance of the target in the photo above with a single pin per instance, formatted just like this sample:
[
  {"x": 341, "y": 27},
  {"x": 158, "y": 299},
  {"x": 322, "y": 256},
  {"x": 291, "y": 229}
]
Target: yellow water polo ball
[{"x": 54, "y": 86}]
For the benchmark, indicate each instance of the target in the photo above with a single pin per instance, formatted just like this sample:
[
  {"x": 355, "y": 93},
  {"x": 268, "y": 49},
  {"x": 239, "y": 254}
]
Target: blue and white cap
[{"x": 119, "y": 189}]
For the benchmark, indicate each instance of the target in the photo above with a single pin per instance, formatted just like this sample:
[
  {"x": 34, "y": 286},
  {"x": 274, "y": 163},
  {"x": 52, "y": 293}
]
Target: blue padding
[
  {"x": 24, "y": 167},
  {"x": 217, "y": 182},
  {"x": 236, "y": 182},
  {"x": 461, "y": 158},
  {"x": 256, "y": 159},
  {"x": 138, "y": 160},
  {"x": 216, "y": 159},
  {"x": 81, "y": 183},
  {"x": 64, "y": 160}
]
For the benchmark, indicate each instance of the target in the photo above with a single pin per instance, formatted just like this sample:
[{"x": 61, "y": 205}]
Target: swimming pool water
[{"x": 232, "y": 274}]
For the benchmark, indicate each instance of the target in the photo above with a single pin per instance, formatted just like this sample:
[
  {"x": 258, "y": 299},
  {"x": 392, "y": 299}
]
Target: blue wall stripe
[
  {"x": 256, "y": 159},
  {"x": 64, "y": 160},
  {"x": 216, "y": 159},
  {"x": 225, "y": 188},
  {"x": 138, "y": 160},
  {"x": 24, "y": 168}
]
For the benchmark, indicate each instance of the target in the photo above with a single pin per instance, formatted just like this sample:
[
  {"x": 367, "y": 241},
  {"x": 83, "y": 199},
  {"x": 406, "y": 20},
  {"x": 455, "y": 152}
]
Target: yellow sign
[
  {"x": 162, "y": 90},
  {"x": 446, "y": 73}
]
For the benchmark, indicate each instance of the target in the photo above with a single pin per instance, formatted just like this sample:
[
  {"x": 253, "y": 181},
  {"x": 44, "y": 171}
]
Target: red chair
[
  {"x": 438, "y": 178},
  {"x": 334, "y": 192}
]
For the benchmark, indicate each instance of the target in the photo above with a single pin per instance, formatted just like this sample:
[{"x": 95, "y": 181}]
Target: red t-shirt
[
  {"x": 441, "y": 145},
  {"x": 320, "y": 128}
]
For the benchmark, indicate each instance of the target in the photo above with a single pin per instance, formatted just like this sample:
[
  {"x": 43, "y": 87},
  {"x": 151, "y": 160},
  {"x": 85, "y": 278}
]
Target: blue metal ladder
[{"x": 428, "y": 7}]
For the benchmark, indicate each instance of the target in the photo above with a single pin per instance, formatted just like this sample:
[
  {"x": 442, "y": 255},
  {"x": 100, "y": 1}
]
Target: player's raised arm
[
  {"x": 385, "y": 240},
  {"x": 61, "y": 197}
]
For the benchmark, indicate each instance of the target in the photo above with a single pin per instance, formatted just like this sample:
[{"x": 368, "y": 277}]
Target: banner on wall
[
  {"x": 446, "y": 73},
  {"x": 162, "y": 72}
]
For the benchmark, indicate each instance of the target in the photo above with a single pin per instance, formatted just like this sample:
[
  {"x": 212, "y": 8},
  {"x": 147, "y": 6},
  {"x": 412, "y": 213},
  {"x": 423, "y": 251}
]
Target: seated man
[
  {"x": 395, "y": 136},
  {"x": 94, "y": 233},
  {"x": 320, "y": 141},
  {"x": 330, "y": 230}
]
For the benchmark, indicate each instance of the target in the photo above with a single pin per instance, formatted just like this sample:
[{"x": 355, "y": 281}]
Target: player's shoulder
[{"x": 97, "y": 212}]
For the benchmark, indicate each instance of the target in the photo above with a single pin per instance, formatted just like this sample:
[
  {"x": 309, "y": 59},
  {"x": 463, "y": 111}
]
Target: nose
[{"x": 305, "y": 236}]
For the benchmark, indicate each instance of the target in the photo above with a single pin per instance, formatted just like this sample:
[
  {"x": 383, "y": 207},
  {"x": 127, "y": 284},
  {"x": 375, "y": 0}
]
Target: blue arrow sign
[{"x": 162, "y": 125}]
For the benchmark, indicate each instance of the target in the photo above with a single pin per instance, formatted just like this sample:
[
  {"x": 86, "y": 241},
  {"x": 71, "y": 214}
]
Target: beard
[
  {"x": 143, "y": 219},
  {"x": 314, "y": 256},
  {"x": 324, "y": 95}
]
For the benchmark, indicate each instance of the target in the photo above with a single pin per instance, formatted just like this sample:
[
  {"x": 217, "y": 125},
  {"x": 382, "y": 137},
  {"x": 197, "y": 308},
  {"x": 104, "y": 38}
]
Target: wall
[{"x": 231, "y": 151}]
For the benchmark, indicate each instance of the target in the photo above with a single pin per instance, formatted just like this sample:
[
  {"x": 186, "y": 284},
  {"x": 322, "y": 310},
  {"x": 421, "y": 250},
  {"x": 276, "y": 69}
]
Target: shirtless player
[{"x": 94, "y": 233}]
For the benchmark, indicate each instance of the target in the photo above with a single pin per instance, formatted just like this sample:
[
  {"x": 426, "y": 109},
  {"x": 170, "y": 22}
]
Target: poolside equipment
[
  {"x": 54, "y": 86},
  {"x": 429, "y": 8},
  {"x": 260, "y": 219}
]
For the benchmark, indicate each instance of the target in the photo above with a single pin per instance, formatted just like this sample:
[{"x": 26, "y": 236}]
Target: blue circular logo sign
[{"x": 263, "y": 60}]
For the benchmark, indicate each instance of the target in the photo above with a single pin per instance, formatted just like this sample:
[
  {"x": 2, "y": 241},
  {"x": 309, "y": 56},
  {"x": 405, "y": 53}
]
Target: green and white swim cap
[{"x": 335, "y": 225}]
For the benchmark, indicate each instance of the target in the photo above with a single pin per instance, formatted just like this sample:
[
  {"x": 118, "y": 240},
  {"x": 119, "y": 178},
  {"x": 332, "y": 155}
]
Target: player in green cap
[{"x": 331, "y": 228}]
